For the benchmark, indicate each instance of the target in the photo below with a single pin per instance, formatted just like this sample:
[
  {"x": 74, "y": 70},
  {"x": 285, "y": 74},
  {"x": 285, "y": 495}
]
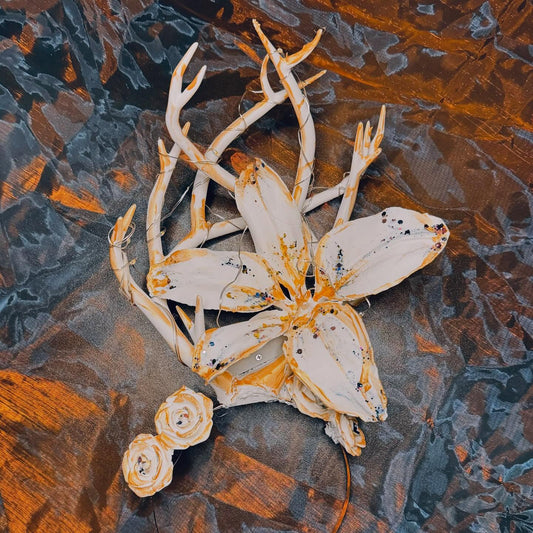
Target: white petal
[
  {"x": 305, "y": 401},
  {"x": 221, "y": 347},
  {"x": 345, "y": 430},
  {"x": 371, "y": 254},
  {"x": 259, "y": 377},
  {"x": 275, "y": 223},
  {"x": 331, "y": 354},
  {"x": 225, "y": 280}
]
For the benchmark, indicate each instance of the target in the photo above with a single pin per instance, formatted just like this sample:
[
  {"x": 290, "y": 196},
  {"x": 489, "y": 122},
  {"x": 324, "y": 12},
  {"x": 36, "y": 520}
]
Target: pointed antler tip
[{"x": 129, "y": 214}]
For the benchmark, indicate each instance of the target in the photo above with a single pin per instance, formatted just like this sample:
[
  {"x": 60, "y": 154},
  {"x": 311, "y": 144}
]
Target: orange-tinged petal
[
  {"x": 328, "y": 349},
  {"x": 344, "y": 430},
  {"x": 275, "y": 223},
  {"x": 221, "y": 347},
  {"x": 259, "y": 377},
  {"x": 305, "y": 401},
  {"x": 371, "y": 254},
  {"x": 231, "y": 281}
]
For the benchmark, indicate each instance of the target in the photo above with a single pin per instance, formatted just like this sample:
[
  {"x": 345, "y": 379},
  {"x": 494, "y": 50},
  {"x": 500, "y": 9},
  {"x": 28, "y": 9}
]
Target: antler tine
[
  {"x": 176, "y": 100},
  {"x": 305, "y": 51},
  {"x": 167, "y": 163},
  {"x": 365, "y": 151},
  {"x": 380, "y": 129},
  {"x": 199, "y": 320},
  {"x": 227, "y": 227},
  {"x": 158, "y": 315},
  {"x": 301, "y": 107},
  {"x": 199, "y": 226}
]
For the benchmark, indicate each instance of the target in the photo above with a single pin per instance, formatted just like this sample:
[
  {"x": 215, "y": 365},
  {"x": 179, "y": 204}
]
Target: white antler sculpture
[{"x": 305, "y": 347}]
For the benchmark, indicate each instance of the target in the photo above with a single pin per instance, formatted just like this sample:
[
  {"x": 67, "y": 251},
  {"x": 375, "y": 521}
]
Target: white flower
[
  {"x": 313, "y": 331},
  {"x": 184, "y": 419},
  {"x": 147, "y": 465}
]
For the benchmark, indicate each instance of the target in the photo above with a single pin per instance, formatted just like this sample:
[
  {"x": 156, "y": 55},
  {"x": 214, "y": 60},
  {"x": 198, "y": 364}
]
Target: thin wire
[
  {"x": 362, "y": 313},
  {"x": 221, "y": 295},
  {"x": 173, "y": 208},
  {"x": 125, "y": 241},
  {"x": 218, "y": 407},
  {"x": 178, "y": 457},
  {"x": 155, "y": 519},
  {"x": 347, "y": 496}
]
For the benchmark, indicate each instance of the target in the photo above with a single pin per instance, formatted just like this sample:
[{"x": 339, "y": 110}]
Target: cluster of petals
[
  {"x": 315, "y": 342},
  {"x": 183, "y": 420}
]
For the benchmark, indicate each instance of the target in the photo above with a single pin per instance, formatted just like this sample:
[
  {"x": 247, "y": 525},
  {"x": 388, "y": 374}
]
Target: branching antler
[
  {"x": 158, "y": 315},
  {"x": 365, "y": 151},
  {"x": 201, "y": 231},
  {"x": 301, "y": 107},
  {"x": 176, "y": 100}
]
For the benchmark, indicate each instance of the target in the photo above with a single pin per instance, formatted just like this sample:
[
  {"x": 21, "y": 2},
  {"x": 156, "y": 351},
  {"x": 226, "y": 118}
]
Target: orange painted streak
[
  {"x": 43, "y": 130},
  {"x": 110, "y": 64},
  {"x": 486, "y": 472},
  {"x": 427, "y": 346},
  {"x": 124, "y": 180},
  {"x": 434, "y": 377},
  {"x": 39, "y": 403},
  {"x": 22, "y": 180},
  {"x": 26, "y": 41},
  {"x": 272, "y": 376},
  {"x": 198, "y": 222},
  {"x": 69, "y": 198},
  {"x": 180, "y": 256},
  {"x": 461, "y": 453},
  {"x": 399, "y": 496},
  {"x": 248, "y": 50},
  {"x": 235, "y": 479},
  {"x": 69, "y": 73},
  {"x": 240, "y": 161},
  {"x": 105, "y": 8},
  {"x": 62, "y": 428},
  {"x": 242, "y": 492},
  {"x": 70, "y": 77}
]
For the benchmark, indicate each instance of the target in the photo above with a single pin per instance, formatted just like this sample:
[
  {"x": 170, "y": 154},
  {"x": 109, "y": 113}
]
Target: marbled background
[{"x": 83, "y": 93}]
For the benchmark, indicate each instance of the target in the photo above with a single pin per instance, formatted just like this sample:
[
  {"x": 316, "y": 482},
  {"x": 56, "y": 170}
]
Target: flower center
[
  {"x": 143, "y": 465},
  {"x": 181, "y": 417}
]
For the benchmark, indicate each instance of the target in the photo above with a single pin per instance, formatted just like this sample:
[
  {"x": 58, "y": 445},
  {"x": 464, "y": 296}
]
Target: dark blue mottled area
[{"x": 83, "y": 88}]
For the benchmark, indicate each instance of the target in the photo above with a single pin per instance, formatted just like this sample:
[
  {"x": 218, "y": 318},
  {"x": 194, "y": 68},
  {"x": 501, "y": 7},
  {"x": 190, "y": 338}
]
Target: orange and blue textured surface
[{"x": 83, "y": 93}]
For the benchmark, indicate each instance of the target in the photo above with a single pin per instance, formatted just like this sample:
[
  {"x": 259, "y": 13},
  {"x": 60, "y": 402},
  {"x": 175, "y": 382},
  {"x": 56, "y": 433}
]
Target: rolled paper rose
[
  {"x": 147, "y": 465},
  {"x": 185, "y": 419}
]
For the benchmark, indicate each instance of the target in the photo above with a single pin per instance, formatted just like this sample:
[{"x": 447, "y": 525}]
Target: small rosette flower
[
  {"x": 185, "y": 419},
  {"x": 147, "y": 465}
]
